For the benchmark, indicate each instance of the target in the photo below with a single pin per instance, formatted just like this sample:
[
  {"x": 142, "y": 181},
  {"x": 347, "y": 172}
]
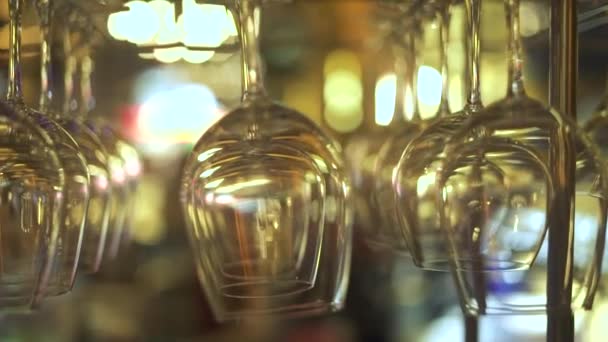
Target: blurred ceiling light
[
  {"x": 143, "y": 22},
  {"x": 146, "y": 55},
  {"x": 169, "y": 55},
  {"x": 409, "y": 107},
  {"x": 171, "y": 30},
  {"x": 344, "y": 121},
  {"x": 343, "y": 91},
  {"x": 342, "y": 60},
  {"x": 118, "y": 25},
  {"x": 174, "y": 116},
  {"x": 197, "y": 57},
  {"x": 204, "y": 25},
  {"x": 385, "y": 94},
  {"x": 154, "y": 23},
  {"x": 429, "y": 90},
  {"x": 230, "y": 29},
  {"x": 533, "y": 20}
]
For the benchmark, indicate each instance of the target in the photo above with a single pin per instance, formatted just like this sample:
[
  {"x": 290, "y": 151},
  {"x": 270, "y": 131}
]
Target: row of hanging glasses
[
  {"x": 68, "y": 179},
  {"x": 473, "y": 192}
]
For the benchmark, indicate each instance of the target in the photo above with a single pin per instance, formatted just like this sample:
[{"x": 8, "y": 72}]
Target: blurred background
[{"x": 326, "y": 59}]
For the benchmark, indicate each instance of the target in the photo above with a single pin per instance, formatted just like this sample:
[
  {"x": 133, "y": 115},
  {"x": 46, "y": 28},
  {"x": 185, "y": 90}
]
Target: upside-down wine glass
[
  {"x": 76, "y": 193},
  {"x": 515, "y": 228},
  {"x": 402, "y": 130},
  {"x": 127, "y": 168},
  {"x": 361, "y": 150},
  {"x": 267, "y": 202},
  {"x": 390, "y": 153},
  {"x": 31, "y": 192},
  {"x": 414, "y": 177},
  {"x": 95, "y": 156}
]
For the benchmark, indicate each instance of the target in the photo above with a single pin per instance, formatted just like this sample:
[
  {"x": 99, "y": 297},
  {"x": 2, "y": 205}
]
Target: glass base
[
  {"x": 488, "y": 265},
  {"x": 265, "y": 289},
  {"x": 288, "y": 312}
]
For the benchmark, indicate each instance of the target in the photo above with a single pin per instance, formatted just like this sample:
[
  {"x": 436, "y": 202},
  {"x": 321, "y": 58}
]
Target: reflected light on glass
[
  {"x": 242, "y": 185},
  {"x": 149, "y": 213},
  {"x": 424, "y": 183},
  {"x": 385, "y": 93}
]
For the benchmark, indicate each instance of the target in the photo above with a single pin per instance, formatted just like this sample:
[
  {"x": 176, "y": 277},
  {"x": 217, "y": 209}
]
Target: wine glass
[
  {"x": 267, "y": 202},
  {"x": 362, "y": 149},
  {"x": 125, "y": 162},
  {"x": 76, "y": 193},
  {"x": 401, "y": 131},
  {"x": 414, "y": 177},
  {"x": 388, "y": 157},
  {"x": 527, "y": 124},
  {"x": 32, "y": 193},
  {"x": 96, "y": 212}
]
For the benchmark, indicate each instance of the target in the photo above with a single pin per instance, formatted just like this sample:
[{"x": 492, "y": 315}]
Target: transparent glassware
[
  {"x": 76, "y": 191},
  {"x": 96, "y": 211},
  {"x": 123, "y": 161},
  {"x": 528, "y": 125},
  {"x": 31, "y": 195},
  {"x": 267, "y": 201},
  {"x": 362, "y": 147},
  {"x": 384, "y": 233},
  {"x": 387, "y": 233},
  {"x": 414, "y": 176}
]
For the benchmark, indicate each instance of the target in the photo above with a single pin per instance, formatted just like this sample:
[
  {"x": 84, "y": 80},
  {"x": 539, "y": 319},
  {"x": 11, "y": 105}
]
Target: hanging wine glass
[
  {"x": 528, "y": 125},
  {"x": 95, "y": 156},
  {"x": 415, "y": 175},
  {"x": 403, "y": 130},
  {"x": 388, "y": 157},
  {"x": 125, "y": 163},
  {"x": 76, "y": 193},
  {"x": 32, "y": 192},
  {"x": 361, "y": 150},
  {"x": 266, "y": 199}
]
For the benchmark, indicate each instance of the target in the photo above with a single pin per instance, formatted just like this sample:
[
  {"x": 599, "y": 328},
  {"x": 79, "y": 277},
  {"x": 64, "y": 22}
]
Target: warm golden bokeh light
[{"x": 154, "y": 23}]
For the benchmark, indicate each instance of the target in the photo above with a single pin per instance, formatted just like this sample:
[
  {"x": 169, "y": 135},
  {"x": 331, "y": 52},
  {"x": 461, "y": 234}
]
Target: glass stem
[
  {"x": 87, "y": 100},
  {"x": 410, "y": 87},
  {"x": 46, "y": 91},
  {"x": 474, "y": 13},
  {"x": 68, "y": 75},
  {"x": 516, "y": 61},
  {"x": 560, "y": 242},
  {"x": 249, "y": 12},
  {"x": 400, "y": 76},
  {"x": 14, "y": 92},
  {"x": 444, "y": 39}
]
